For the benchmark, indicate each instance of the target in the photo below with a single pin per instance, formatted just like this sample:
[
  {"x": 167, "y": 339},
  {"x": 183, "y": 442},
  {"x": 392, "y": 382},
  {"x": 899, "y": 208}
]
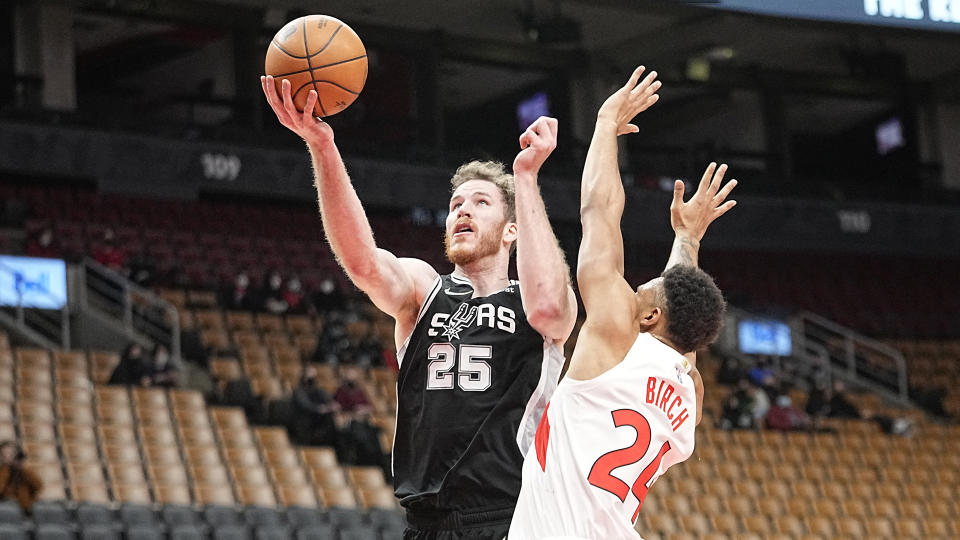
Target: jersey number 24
[{"x": 465, "y": 368}]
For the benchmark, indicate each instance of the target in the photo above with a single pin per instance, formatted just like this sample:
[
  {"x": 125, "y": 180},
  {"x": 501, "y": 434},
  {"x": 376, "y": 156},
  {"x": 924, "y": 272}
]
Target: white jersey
[{"x": 602, "y": 443}]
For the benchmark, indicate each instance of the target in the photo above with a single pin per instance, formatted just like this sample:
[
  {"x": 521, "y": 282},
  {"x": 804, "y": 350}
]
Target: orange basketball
[{"x": 321, "y": 53}]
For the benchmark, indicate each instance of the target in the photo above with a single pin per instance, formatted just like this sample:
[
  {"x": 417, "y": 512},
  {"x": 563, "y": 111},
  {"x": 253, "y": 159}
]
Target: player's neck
[{"x": 487, "y": 275}]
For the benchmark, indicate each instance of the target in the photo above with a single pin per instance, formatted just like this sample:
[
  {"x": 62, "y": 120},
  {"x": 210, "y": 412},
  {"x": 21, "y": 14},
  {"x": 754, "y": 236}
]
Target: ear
[
  {"x": 650, "y": 318},
  {"x": 510, "y": 232}
]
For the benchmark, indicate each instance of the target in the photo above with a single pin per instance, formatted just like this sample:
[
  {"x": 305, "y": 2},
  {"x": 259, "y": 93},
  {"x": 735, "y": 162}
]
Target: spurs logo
[{"x": 458, "y": 321}]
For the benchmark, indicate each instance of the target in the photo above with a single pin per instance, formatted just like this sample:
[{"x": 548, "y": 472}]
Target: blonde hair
[{"x": 489, "y": 171}]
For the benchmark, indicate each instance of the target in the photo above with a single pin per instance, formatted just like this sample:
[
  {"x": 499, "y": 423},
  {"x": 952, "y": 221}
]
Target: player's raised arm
[
  {"x": 548, "y": 298},
  {"x": 600, "y": 262},
  {"x": 394, "y": 285},
  {"x": 691, "y": 219}
]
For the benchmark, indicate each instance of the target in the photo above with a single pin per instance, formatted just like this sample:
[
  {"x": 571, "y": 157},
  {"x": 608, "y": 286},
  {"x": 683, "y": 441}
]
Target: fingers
[
  {"x": 634, "y": 77},
  {"x": 526, "y": 138},
  {"x": 724, "y": 208},
  {"x": 270, "y": 90},
  {"x": 677, "y": 193},
  {"x": 308, "y": 107},
  {"x": 629, "y": 128},
  {"x": 722, "y": 194},
  {"x": 707, "y": 174},
  {"x": 648, "y": 82},
  {"x": 717, "y": 179},
  {"x": 287, "y": 99}
]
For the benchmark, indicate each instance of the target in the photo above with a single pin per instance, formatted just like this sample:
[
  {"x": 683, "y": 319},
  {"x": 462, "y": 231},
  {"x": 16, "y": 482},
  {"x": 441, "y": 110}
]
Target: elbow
[
  {"x": 545, "y": 314},
  {"x": 360, "y": 269}
]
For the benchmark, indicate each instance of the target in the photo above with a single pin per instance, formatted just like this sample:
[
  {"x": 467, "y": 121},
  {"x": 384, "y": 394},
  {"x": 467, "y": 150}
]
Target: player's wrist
[{"x": 605, "y": 123}]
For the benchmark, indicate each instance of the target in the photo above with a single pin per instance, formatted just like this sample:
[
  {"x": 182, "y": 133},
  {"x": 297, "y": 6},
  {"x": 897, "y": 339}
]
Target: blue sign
[
  {"x": 32, "y": 282},
  {"x": 941, "y": 15},
  {"x": 764, "y": 337}
]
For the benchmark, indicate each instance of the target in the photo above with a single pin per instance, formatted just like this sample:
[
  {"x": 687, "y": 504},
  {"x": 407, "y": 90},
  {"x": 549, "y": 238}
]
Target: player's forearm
[
  {"x": 601, "y": 188},
  {"x": 685, "y": 250},
  {"x": 541, "y": 266},
  {"x": 344, "y": 221}
]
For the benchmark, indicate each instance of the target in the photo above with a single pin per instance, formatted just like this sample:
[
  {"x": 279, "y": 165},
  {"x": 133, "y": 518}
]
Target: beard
[{"x": 489, "y": 244}]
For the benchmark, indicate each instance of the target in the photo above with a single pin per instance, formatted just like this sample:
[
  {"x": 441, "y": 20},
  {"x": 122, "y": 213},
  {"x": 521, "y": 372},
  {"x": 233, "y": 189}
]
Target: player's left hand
[
  {"x": 692, "y": 218},
  {"x": 536, "y": 143}
]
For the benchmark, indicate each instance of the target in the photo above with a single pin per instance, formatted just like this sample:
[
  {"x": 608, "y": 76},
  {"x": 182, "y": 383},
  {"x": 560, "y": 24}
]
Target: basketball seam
[
  {"x": 320, "y": 67},
  {"x": 306, "y": 48},
  {"x": 308, "y": 56},
  {"x": 345, "y": 89}
]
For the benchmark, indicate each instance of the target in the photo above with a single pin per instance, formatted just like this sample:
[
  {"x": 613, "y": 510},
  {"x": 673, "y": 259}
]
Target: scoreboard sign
[{"x": 939, "y": 15}]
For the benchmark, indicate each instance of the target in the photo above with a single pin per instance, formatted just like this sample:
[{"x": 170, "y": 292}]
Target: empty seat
[
  {"x": 359, "y": 532},
  {"x": 253, "y": 475},
  {"x": 94, "y": 493},
  {"x": 81, "y": 453},
  {"x": 213, "y": 494},
  {"x": 74, "y": 396},
  {"x": 209, "y": 474},
  {"x": 323, "y": 457},
  {"x": 243, "y": 457},
  {"x": 157, "y": 436},
  {"x": 168, "y": 475},
  {"x": 218, "y": 515},
  {"x": 297, "y": 495},
  {"x": 329, "y": 478},
  {"x": 290, "y": 476},
  {"x": 117, "y": 435},
  {"x": 197, "y": 436},
  {"x": 378, "y": 497},
  {"x": 344, "y": 518},
  {"x": 172, "y": 494},
  {"x": 148, "y": 416},
  {"x": 236, "y": 437},
  {"x": 50, "y": 531},
  {"x": 272, "y": 437},
  {"x": 37, "y": 432},
  {"x": 136, "y": 514},
  {"x": 132, "y": 493},
  {"x": 281, "y": 458},
  {"x": 176, "y": 514},
  {"x": 231, "y": 532},
  {"x": 77, "y": 433},
  {"x": 13, "y": 531},
  {"x": 191, "y": 400},
  {"x": 367, "y": 477},
  {"x": 122, "y": 454},
  {"x": 41, "y": 452},
  {"x": 72, "y": 413},
  {"x": 145, "y": 532},
  {"x": 162, "y": 455},
  {"x": 10, "y": 512},
  {"x": 257, "y": 516},
  {"x": 187, "y": 532},
  {"x": 259, "y": 495},
  {"x": 89, "y": 514},
  {"x": 99, "y": 532}
]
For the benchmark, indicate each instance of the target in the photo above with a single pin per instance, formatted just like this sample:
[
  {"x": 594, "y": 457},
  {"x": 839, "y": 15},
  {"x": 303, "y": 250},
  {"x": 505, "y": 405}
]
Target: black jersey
[{"x": 474, "y": 379}]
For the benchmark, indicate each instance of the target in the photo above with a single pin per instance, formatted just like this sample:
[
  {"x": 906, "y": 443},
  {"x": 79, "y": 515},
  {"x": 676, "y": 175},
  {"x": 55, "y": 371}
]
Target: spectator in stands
[
  {"x": 931, "y": 400},
  {"x": 111, "y": 255},
  {"x": 17, "y": 481},
  {"x": 351, "y": 397},
  {"x": 328, "y": 298},
  {"x": 334, "y": 343},
  {"x": 818, "y": 401},
  {"x": 239, "y": 296},
  {"x": 760, "y": 405},
  {"x": 294, "y": 297},
  {"x": 783, "y": 416},
  {"x": 730, "y": 371},
  {"x": 840, "y": 406},
  {"x": 738, "y": 408},
  {"x": 162, "y": 370},
  {"x": 43, "y": 244},
  {"x": 273, "y": 294},
  {"x": 760, "y": 373},
  {"x": 133, "y": 368},
  {"x": 313, "y": 422}
]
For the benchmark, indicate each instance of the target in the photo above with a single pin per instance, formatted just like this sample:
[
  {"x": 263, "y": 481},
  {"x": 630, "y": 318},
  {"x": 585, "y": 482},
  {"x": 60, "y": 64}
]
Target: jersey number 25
[{"x": 472, "y": 373}]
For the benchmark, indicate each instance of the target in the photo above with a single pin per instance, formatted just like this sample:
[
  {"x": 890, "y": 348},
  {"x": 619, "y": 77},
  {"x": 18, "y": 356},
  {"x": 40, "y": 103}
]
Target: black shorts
[{"x": 489, "y": 525}]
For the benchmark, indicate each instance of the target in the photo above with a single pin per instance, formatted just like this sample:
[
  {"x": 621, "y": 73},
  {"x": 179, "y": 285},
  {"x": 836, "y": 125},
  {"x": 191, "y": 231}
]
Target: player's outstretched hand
[
  {"x": 694, "y": 216},
  {"x": 536, "y": 145},
  {"x": 310, "y": 128},
  {"x": 630, "y": 100}
]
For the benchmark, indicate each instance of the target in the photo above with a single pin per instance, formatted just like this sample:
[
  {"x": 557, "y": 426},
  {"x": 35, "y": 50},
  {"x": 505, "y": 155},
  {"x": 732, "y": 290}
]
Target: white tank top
[{"x": 602, "y": 443}]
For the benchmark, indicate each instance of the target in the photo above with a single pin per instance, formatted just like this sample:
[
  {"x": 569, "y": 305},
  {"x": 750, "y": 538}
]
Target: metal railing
[
  {"x": 49, "y": 327},
  {"x": 135, "y": 309},
  {"x": 854, "y": 357}
]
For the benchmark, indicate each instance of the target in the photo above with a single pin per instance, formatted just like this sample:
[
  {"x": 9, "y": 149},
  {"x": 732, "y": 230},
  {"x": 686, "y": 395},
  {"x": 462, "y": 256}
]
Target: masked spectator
[
  {"x": 313, "y": 422},
  {"x": 43, "y": 244},
  {"x": 133, "y": 368},
  {"x": 273, "y": 294}
]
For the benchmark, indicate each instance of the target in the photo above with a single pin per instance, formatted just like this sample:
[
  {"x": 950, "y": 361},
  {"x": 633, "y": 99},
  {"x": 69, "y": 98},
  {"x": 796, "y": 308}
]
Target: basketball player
[
  {"x": 627, "y": 408},
  {"x": 479, "y": 354}
]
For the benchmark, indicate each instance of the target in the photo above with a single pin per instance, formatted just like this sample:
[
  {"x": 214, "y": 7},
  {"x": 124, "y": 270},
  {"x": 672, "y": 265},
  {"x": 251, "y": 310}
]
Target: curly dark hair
[{"x": 694, "y": 307}]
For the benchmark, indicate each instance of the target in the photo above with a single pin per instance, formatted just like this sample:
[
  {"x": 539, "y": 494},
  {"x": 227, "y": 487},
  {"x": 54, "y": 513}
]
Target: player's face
[{"x": 476, "y": 222}]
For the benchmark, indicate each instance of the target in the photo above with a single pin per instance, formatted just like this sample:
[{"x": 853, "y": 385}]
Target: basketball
[{"x": 318, "y": 52}]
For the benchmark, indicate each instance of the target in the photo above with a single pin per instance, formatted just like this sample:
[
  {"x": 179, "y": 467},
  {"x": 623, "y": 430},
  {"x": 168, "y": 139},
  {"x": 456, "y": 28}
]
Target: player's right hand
[
  {"x": 310, "y": 128},
  {"x": 629, "y": 101}
]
